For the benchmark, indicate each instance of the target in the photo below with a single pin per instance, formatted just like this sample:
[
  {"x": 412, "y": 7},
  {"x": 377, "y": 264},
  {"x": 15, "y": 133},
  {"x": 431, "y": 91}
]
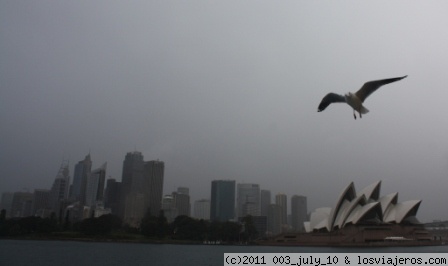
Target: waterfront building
[
  {"x": 142, "y": 187},
  {"x": 59, "y": 190},
  {"x": 21, "y": 204},
  {"x": 112, "y": 196},
  {"x": 202, "y": 209},
  {"x": 182, "y": 202},
  {"x": 41, "y": 202},
  {"x": 265, "y": 201},
  {"x": 80, "y": 178},
  {"x": 281, "y": 200},
  {"x": 153, "y": 175},
  {"x": 248, "y": 200},
  {"x": 275, "y": 221},
  {"x": 169, "y": 208},
  {"x": 95, "y": 186},
  {"x": 222, "y": 200},
  {"x": 299, "y": 212}
]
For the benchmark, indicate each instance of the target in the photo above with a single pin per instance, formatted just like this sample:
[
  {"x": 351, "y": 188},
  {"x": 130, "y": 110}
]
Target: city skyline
[
  {"x": 228, "y": 90},
  {"x": 278, "y": 199},
  {"x": 89, "y": 186}
]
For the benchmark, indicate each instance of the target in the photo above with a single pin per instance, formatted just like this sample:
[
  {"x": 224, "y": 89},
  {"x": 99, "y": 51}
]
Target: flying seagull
[{"x": 355, "y": 100}]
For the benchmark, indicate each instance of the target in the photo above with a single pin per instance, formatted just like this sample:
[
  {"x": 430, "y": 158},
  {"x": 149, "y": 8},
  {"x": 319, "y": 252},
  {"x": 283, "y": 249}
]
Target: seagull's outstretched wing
[
  {"x": 371, "y": 86},
  {"x": 328, "y": 99}
]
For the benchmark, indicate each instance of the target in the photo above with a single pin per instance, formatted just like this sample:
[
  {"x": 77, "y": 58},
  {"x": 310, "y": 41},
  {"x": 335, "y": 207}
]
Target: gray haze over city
[{"x": 228, "y": 90}]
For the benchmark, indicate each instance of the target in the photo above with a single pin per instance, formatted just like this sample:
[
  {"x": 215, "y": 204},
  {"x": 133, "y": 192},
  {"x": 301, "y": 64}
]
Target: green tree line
[{"x": 152, "y": 227}]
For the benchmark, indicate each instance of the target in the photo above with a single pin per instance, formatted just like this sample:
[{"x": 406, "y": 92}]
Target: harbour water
[{"x": 68, "y": 253}]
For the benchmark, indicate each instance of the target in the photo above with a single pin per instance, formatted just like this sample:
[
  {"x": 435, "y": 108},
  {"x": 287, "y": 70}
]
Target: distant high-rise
[
  {"x": 222, "y": 200},
  {"x": 112, "y": 196},
  {"x": 80, "y": 177},
  {"x": 169, "y": 208},
  {"x": 202, "y": 209},
  {"x": 248, "y": 200},
  {"x": 142, "y": 187},
  {"x": 182, "y": 201},
  {"x": 281, "y": 200},
  {"x": 59, "y": 190},
  {"x": 41, "y": 202},
  {"x": 153, "y": 175},
  {"x": 132, "y": 177},
  {"x": 21, "y": 204},
  {"x": 95, "y": 186},
  {"x": 299, "y": 212},
  {"x": 265, "y": 201},
  {"x": 132, "y": 204},
  {"x": 275, "y": 222}
]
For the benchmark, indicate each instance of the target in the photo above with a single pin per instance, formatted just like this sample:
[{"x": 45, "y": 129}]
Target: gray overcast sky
[{"x": 228, "y": 90}]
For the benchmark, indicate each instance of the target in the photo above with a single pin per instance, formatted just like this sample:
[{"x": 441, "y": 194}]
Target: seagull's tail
[{"x": 363, "y": 110}]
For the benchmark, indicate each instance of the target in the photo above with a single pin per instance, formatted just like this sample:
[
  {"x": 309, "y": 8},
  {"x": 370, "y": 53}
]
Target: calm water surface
[{"x": 67, "y": 253}]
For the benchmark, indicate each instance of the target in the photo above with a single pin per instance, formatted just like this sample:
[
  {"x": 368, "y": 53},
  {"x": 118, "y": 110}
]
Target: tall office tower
[
  {"x": 169, "y": 208},
  {"x": 222, "y": 200},
  {"x": 134, "y": 210},
  {"x": 281, "y": 200},
  {"x": 95, "y": 186},
  {"x": 299, "y": 212},
  {"x": 153, "y": 174},
  {"x": 132, "y": 177},
  {"x": 248, "y": 200},
  {"x": 182, "y": 203},
  {"x": 112, "y": 196},
  {"x": 80, "y": 177},
  {"x": 202, "y": 209},
  {"x": 41, "y": 203},
  {"x": 21, "y": 204},
  {"x": 275, "y": 213},
  {"x": 132, "y": 205},
  {"x": 6, "y": 202},
  {"x": 59, "y": 190},
  {"x": 265, "y": 201}
]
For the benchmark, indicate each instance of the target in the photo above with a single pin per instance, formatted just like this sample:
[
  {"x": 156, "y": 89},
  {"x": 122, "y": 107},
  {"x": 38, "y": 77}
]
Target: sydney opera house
[{"x": 364, "y": 218}]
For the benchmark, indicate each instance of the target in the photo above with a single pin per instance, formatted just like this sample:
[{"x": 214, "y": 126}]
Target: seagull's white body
[
  {"x": 356, "y": 103},
  {"x": 356, "y": 100}
]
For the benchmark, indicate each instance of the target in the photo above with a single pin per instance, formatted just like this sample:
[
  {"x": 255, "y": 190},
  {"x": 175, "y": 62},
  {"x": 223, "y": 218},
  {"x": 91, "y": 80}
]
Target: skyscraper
[
  {"x": 132, "y": 203},
  {"x": 153, "y": 175},
  {"x": 265, "y": 201},
  {"x": 169, "y": 208},
  {"x": 182, "y": 201},
  {"x": 59, "y": 190},
  {"x": 112, "y": 197},
  {"x": 222, "y": 200},
  {"x": 275, "y": 219},
  {"x": 41, "y": 202},
  {"x": 95, "y": 186},
  {"x": 21, "y": 204},
  {"x": 202, "y": 209},
  {"x": 281, "y": 200},
  {"x": 80, "y": 177},
  {"x": 132, "y": 177},
  {"x": 248, "y": 200},
  {"x": 299, "y": 212},
  {"x": 142, "y": 187}
]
